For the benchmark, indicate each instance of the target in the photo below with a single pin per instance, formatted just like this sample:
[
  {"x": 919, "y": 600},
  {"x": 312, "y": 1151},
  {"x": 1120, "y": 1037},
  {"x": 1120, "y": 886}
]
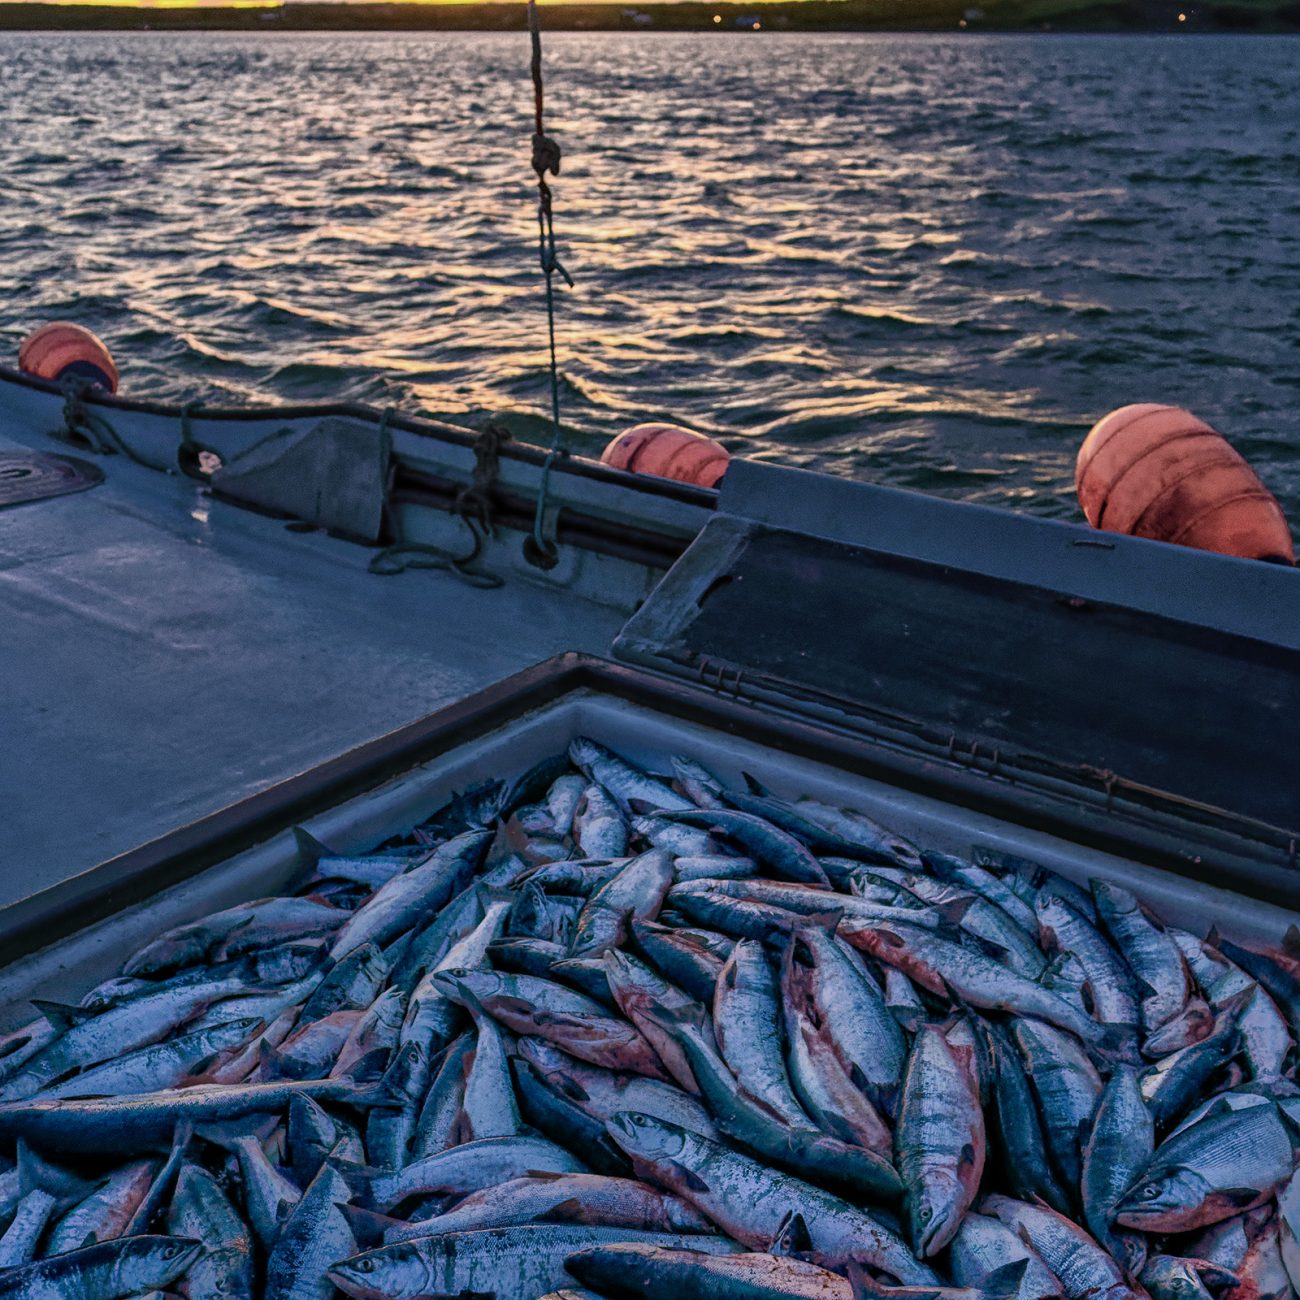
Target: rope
[
  {"x": 190, "y": 450},
  {"x": 539, "y": 550},
  {"x": 473, "y": 503},
  {"x": 87, "y": 428}
]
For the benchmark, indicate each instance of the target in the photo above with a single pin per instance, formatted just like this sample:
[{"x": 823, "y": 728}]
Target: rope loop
[
  {"x": 83, "y": 427},
  {"x": 472, "y": 503}
]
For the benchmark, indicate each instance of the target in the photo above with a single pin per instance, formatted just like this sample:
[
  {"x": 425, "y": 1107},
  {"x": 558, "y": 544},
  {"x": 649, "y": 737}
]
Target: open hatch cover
[{"x": 1131, "y": 679}]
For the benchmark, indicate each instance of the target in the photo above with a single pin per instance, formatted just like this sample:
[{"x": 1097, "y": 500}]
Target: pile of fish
[{"x": 596, "y": 1032}]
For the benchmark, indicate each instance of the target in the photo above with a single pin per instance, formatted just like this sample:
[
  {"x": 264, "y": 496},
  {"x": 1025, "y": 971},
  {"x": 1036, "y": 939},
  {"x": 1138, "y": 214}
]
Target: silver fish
[
  {"x": 110, "y": 1270},
  {"x": 750, "y": 1202},
  {"x": 518, "y": 1263},
  {"x": 939, "y": 1144}
]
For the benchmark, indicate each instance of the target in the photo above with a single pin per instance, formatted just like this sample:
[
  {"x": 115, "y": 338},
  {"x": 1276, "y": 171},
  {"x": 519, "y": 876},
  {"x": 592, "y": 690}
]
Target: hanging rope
[{"x": 539, "y": 550}]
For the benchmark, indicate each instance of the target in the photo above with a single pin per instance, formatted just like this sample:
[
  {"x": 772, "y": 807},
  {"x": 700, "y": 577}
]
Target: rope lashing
[
  {"x": 473, "y": 503},
  {"x": 539, "y": 550},
  {"x": 190, "y": 453},
  {"x": 86, "y": 428}
]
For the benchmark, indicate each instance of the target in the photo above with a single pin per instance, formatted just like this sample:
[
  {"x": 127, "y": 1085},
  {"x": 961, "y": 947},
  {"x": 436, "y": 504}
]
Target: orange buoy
[
  {"x": 60, "y": 349},
  {"x": 1159, "y": 472},
  {"x": 669, "y": 451}
]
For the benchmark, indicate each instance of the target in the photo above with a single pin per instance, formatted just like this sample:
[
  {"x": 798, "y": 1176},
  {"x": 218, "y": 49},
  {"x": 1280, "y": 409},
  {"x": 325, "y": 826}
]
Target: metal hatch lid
[{"x": 1146, "y": 692}]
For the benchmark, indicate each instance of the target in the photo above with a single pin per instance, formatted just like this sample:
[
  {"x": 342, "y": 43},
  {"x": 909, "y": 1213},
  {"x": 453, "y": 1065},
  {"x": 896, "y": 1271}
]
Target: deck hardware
[{"x": 35, "y": 475}]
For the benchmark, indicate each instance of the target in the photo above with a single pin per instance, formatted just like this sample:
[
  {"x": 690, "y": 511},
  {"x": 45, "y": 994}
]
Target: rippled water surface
[{"x": 929, "y": 261}]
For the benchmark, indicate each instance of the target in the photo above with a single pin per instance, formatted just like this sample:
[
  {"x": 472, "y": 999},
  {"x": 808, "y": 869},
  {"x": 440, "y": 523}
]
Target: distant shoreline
[{"x": 767, "y": 15}]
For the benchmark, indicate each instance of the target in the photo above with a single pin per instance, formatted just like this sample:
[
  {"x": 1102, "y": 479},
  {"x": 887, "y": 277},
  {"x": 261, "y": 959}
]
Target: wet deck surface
[{"x": 164, "y": 655}]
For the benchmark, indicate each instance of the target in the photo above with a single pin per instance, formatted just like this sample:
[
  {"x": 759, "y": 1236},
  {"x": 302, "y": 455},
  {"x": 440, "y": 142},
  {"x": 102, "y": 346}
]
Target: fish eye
[
  {"x": 1150, "y": 1192},
  {"x": 926, "y": 1214},
  {"x": 171, "y": 1251},
  {"x": 639, "y": 1120},
  {"x": 365, "y": 1266}
]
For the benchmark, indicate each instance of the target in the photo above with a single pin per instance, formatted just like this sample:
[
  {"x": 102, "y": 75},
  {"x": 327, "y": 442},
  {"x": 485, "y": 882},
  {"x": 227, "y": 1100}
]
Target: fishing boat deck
[{"x": 165, "y": 653}]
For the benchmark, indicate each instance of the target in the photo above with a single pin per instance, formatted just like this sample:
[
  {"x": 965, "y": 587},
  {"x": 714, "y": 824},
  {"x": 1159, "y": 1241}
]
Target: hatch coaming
[
  {"x": 1013, "y": 652},
  {"x": 361, "y": 799}
]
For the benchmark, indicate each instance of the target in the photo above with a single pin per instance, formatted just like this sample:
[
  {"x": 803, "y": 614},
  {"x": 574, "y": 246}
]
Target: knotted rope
[{"x": 473, "y": 503}]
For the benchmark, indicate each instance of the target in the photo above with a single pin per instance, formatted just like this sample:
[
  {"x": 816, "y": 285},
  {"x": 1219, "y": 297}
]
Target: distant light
[
  {"x": 717, "y": 18},
  {"x": 758, "y": 27}
]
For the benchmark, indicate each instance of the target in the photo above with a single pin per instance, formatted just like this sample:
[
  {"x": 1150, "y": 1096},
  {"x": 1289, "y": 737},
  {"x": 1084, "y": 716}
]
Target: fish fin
[
  {"x": 1213, "y": 1274},
  {"x": 1290, "y": 1118},
  {"x": 89, "y": 1240},
  {"x": 543, "y": 1175},
  {"x": 1117, "y": 1043},
  {"x": 954, "y": 910},
  {"x": 368, "y": 1226},
  {"x": 370, "y": 1070},
  {"x": 792, "y": 1237},
  {"x": 566, "y": 1086},
  {"x": 755, "y": 786},
  {"x": 515, "y": 1005},
  {"x": 360, "y": 1179},
  {"x": 967, "y": 1155},
  {"x": 272, "y": 1064},
  {"x": 61, "y": 1015},
  {"x": 1004, "y": 1282},
  {"x": 37, "y": 1174},
  {"x": 985, "y": 947},
  {"x": 1241, "y": 1196},
  {"x": 1291, "y": 941},
  {"x": 310, "y": 849},
  {"x": 865, "y": 1287},
  {"x": 1214, "y": 938},
  {"x": 226, "y": 1133},
  {"x": 828, "y": 920},
  {"x": 689, "y": 1177},
  {"x": 646, "y": 808},
  {"x": 567, "y": 1211}
]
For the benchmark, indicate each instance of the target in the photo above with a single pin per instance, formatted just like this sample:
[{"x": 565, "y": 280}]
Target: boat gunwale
[{"x": 422, "y": 426}]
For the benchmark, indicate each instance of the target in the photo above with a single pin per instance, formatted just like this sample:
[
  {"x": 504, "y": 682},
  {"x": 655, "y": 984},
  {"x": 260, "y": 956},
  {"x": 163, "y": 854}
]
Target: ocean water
[{"x": 929, "y": 261}]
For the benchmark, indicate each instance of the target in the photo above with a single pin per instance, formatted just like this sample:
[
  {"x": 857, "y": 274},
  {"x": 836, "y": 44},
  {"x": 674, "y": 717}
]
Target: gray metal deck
[{"x": 163, "y": 654}]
